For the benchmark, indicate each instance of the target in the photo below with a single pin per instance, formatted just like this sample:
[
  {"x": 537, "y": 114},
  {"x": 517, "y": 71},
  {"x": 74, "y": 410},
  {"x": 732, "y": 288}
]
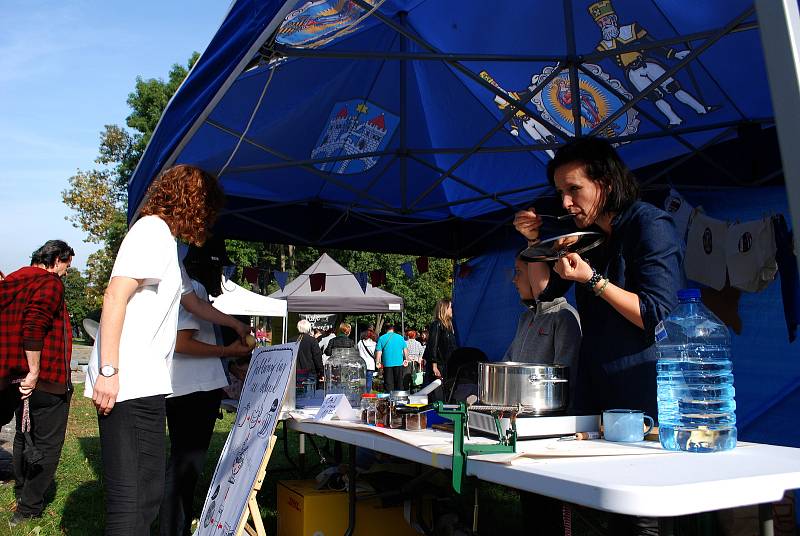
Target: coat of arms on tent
[
  {"x": 596, "y": 103},
  {"x": 315, "y": 23},
  {"x": 354, "y": 127}
]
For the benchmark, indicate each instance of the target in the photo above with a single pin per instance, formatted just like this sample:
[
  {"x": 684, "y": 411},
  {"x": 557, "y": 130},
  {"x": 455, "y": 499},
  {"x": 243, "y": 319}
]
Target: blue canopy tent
[
  {"x": 412, "y": 125},
  {"x": 421, "y": 126}
]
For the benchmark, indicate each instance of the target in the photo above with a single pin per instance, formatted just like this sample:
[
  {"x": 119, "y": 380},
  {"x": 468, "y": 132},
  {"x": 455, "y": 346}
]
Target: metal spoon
[{"x": 559, "y": 218}]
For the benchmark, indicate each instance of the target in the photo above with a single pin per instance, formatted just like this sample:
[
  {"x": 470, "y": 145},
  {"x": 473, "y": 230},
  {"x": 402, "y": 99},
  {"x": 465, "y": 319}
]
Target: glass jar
[
  {"x": 382, "y": 410},
  {"x": 346, "y": 373},
  {"x": 416, "y": 419},
  {"x": 368, "y": 408},
  {"x": 397, "y": 400}
]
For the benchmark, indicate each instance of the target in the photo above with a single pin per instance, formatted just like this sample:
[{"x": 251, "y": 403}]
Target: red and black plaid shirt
[{"x": 33, "y": 316}]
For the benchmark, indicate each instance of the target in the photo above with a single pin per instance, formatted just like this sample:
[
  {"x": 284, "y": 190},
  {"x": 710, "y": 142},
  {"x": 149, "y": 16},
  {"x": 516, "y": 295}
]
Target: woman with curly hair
[{"x": 128, "y": 375}]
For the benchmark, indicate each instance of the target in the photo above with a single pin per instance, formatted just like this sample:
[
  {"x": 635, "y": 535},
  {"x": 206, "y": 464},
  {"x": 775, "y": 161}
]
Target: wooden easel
[{"x": 252, "y": 511}]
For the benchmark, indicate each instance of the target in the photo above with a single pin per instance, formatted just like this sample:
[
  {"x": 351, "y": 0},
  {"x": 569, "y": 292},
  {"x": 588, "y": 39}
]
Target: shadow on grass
[{"x": 83, "y": 508}]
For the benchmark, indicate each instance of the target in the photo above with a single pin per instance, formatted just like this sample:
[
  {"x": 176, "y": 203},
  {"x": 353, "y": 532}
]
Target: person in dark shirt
[
  {"x": 624, "y": 288},
  {"x": 309, "y": 355},
  {"x": 342, "y": 340}
]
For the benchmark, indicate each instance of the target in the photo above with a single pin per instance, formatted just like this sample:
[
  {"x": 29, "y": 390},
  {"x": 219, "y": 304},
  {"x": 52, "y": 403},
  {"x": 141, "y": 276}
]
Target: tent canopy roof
[
  {"x": 342, "y": 292},
  {"x": 420, "y": 126}
]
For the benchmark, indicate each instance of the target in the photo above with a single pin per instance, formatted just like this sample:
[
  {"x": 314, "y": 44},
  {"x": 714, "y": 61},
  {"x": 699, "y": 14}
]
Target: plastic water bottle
[{"x": 696, "y": 407}]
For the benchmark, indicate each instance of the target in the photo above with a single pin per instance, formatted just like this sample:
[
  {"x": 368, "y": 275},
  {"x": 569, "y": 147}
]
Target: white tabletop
[{"x": 663, "y": 484}]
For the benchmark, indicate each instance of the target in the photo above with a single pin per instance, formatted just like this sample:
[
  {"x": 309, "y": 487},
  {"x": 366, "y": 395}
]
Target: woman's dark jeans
[{"x": 132, "y": 440}]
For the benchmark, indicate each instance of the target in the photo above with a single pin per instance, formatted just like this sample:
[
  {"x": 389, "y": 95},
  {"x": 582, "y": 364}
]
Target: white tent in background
[
  {"x": 342, "y": 292},
  {"x": 236, "y": 300}
]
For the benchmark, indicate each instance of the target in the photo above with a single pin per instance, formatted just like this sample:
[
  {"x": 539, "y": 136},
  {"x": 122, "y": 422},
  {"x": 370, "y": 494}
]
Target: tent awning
[
  {"x": 342, "y": 293},
  {"x": 420, "y": 126}
]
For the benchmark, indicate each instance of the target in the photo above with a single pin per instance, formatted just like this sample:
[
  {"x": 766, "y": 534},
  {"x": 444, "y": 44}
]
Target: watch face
[{"x": 107, "y": 370}]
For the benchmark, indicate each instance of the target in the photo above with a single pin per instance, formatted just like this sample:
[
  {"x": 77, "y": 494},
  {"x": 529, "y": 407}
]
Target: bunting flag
[
  {"x": 409, "y": 271},
  {"x": 377, "y": 277},
  {"x": 281, "y": 278},
  {"x": 317, "y": 282},
  {"x": 463, "y": 270},
  {"x": 422, "y": 265},
  {"x": 362, "y": 278},
  {"x": 228, "y": 271},
  {"x": 250, "y": 275}
]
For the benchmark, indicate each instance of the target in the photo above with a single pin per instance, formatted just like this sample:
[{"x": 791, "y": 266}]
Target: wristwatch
[{"x": 108, "y": 370}]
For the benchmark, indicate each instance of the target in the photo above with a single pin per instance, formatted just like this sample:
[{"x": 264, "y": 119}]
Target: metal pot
[{"x": 538, "y": 387}]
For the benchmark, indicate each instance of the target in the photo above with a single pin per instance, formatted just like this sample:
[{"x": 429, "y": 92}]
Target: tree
[{"x": 79, "y": 305}]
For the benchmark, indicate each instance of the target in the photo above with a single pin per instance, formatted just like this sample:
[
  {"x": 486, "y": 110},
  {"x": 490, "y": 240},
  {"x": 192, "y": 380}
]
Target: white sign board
[
  {"x": 334, "y": 406},
  {"x": 259, "y": 407}
]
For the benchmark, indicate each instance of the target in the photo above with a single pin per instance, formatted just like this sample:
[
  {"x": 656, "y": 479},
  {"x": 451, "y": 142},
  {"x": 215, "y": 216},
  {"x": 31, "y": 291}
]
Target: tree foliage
[{"x": 78, "y": 304}]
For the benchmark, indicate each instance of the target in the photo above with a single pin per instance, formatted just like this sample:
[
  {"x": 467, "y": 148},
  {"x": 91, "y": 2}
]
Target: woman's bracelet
[
  {"x": 602, "y": 288},
  {"x": 594, "y": 280}
]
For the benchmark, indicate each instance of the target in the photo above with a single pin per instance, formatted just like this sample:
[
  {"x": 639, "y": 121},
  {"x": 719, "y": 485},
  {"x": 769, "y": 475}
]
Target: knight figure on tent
[{"x": 640, "y": 69}]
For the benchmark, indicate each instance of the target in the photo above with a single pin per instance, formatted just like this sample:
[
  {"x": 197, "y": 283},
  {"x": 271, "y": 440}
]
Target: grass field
[{"x": 76, "y": 504}]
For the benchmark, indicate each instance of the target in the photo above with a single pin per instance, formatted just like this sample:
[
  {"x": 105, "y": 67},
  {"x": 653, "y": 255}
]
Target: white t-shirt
[
  {"x": 366, "y": 349},
  {"x": 192, "y": 373},
  {"x": 148, "y": 252}
]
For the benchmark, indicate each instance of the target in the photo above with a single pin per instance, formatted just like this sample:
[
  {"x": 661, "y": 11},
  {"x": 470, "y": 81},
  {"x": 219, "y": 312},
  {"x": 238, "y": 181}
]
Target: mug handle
[{"x": 650, "y": 427}]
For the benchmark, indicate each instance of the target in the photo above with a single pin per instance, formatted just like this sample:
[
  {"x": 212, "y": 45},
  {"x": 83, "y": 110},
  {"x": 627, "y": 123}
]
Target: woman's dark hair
[
  {"x": 51, "y": 251},
  {"x": 204, "y": 264},
  {"x": 603, "y": 165}
]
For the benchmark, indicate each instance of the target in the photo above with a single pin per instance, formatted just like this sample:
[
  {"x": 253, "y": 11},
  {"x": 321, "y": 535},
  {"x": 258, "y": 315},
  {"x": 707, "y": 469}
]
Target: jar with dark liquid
[
  {"x": 382, "y": 410},
  {"x": 416, "y": 419},
  {"x": 397, "y": 400}
]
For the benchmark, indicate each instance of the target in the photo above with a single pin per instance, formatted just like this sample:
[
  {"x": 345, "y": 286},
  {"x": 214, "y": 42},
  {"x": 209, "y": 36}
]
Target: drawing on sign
[{"x": 262, "y": 398}]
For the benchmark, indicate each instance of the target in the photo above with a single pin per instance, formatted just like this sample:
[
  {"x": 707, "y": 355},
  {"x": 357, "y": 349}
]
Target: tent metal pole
[
  {"x": 779, "y": 21},
  {"x": 592, "y": 57},
  {"x": 690, "y": 155},
  {"x": 401, "y": 56},
  {"x": 403, "y": 117},
  {"x": 574, "y": 82},
  {"x": 308, "y": 161},
  {"x": 672, "y": 70}
]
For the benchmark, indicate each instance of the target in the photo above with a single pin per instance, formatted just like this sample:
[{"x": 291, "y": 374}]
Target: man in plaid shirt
[{"x": 35, "y": 348}]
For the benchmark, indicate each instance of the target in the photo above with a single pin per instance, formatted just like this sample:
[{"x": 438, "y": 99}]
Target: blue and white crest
[
  {"x": 597, "y": 102},
  {"x": 354, "y": 127},
  {"x": 317, "y": 22}
]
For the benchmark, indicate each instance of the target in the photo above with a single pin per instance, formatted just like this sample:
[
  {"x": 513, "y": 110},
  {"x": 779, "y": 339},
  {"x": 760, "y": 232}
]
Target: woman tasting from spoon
[{"x": 623, "y": 288}]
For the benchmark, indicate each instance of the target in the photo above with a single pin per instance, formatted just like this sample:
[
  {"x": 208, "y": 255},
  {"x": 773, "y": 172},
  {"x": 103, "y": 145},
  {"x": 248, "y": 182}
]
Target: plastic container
[
  {"x": 415, "y": 418},
  {"x": 346, "y": 373},
  {"x": 696, "y": 406}
]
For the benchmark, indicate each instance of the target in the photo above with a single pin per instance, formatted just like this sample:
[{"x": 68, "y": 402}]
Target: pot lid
[{"x": 555, "y": 247}]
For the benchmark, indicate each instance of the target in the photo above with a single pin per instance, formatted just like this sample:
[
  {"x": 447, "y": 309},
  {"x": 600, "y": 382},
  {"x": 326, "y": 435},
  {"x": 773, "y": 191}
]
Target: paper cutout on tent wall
[
  {"x": 362, "y": 278},
  {"x": 317, "y": 282},
  {"x": 228, "y": 271},
  {"x": 354, "y": 127},
  {"x": 464, "y": 270},
  {"x": 422, "y": 265},
  {"x": 408, "y": 269},
  {"x": 317, "y": 22},
  {"x": 281, "y": 278}
]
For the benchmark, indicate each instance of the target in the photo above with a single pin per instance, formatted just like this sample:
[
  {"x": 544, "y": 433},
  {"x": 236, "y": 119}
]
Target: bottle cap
[
  {"x": 369, "y": 395},
  {"x": 689, "y": 293}
]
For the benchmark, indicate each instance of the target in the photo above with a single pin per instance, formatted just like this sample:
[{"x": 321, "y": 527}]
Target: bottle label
[{"x": 661, "y": 332}]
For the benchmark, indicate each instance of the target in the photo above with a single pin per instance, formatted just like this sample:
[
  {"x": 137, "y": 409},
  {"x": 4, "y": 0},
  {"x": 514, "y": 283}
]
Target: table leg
[
  {"x": 666, "y": 526},
  {"x": 765, "y": 524},
  {"x": 351, "y": 491}
]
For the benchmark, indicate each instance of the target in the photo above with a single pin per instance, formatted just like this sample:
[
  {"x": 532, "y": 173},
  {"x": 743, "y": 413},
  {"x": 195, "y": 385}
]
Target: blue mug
[{"x": 625, "y": 425}]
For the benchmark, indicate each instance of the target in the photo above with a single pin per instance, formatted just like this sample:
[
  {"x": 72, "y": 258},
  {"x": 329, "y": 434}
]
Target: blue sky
[{"x": 66, "y": 68}]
